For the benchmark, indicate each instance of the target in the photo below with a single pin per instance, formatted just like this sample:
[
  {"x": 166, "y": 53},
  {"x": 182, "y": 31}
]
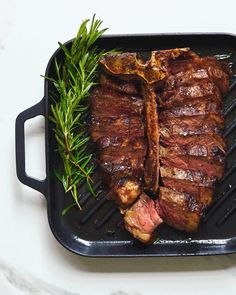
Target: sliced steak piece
[
  {"x": 180, "y": 210},
  {"x": 121, "y": 142},
  {"x": 194, "y": 125},
  {"x": 219, "y": 72},
  {"x": 118, "y": 85},
  {"x": 182, "y": 94},
  {"x": 192, "y": 109},
  {"x": 196, "y": 150},
  {"x": 213, "y": 142},
  {"x": 136, "y": 150},
  {"x": 197, "y": 177},
  {"x": 220, "y": 75},
  {"x": 196, "y": 68},
  {"x": 102, "y": 104},
  {"x": 204, "y": 195},
  {"x": 211, "y": 146},
  {"x": 125, "y": 165},
  {"x": 122, "y": 126},
  {"x": 151, "y": 172},
  {"x": 208, "y": 167},
  {"x": 186, "y": 78},
  {"x": 143, "y": 218},
  {"x": 193, "y": 76}
]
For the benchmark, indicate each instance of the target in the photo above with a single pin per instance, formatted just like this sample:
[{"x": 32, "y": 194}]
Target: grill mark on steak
[
  {"x": 212, "y": 141},
  {"x": 186, "y": 78},
  {"x": 114, "y": 142},
  {"x": 187, "y": 125},
  {"x": 193, "y": 176},
  {"x": 193, "y": 163},
  {"x": 202, "y": 75},
  {"x": 126, "y": 87},
  {"x": 217, "y": 72},
  {"x": 126, "y": 164},
  {"x": 180, "y": 210},
  {"x": 123, "y": 126},
  {"x": 182, "y": 94},
  {"x": 138, "y": 148},
  {"x": 103, "y": 100},
  {"x": 204, "y": 195},
  {"x": 195, "y": 150},
  {"x": 192, "y": 109}
]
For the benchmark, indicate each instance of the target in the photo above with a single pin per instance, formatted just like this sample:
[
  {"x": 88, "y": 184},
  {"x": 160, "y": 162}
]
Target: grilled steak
[
  {"x": 117, "y": 127},
  {"x": 161, "y": 120}
]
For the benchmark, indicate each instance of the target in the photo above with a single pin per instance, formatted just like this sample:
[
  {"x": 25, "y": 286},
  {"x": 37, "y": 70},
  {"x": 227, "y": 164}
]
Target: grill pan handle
[{"x": 37, "y": 109}]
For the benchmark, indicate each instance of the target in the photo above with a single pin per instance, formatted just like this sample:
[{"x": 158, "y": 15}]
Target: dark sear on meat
[{"x": 158, "y": 126}]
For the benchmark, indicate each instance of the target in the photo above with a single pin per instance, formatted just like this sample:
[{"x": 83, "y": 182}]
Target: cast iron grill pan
[{"x": 98, "y": 230}]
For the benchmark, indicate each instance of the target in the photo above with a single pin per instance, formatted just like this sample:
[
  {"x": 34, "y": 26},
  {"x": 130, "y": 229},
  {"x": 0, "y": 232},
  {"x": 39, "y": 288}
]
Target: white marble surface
[{"x": 31, "y": 260}]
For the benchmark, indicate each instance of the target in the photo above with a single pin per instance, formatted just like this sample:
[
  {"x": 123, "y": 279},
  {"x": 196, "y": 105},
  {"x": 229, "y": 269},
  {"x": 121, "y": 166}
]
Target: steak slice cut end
[{"x": 143, "y": 218}]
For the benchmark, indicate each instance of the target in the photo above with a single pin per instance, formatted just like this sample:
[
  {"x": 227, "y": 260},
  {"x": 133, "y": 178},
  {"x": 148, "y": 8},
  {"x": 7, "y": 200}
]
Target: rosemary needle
[{"x": 75, "y": 78}]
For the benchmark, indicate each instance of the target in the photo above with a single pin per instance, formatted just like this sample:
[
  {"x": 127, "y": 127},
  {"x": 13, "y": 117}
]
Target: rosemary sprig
[{"x": 75, "y": 78}]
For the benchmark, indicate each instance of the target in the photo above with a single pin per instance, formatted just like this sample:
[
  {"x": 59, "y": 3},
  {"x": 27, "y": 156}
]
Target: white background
[{"x": 31, "y": 260}]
